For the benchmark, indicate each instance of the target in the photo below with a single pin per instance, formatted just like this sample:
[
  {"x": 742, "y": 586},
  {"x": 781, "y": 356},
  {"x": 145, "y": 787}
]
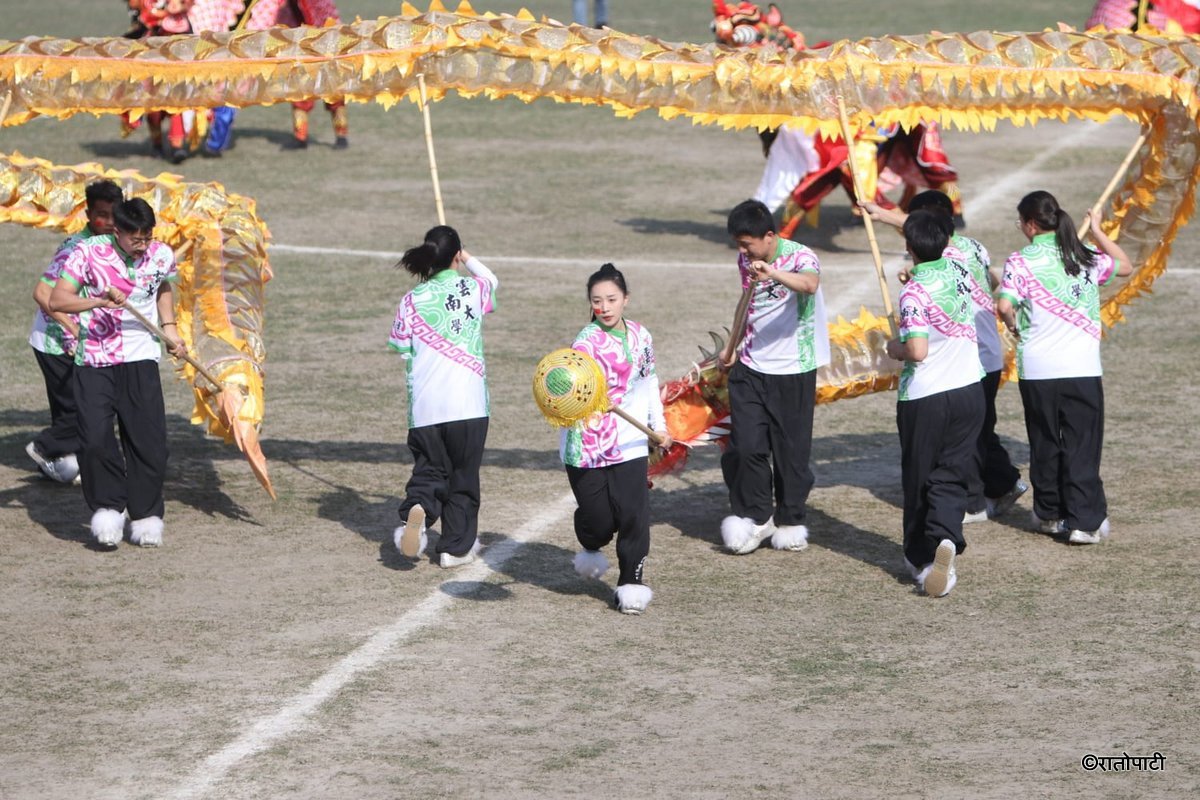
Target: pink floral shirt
[{"x": 111, "y": 336}]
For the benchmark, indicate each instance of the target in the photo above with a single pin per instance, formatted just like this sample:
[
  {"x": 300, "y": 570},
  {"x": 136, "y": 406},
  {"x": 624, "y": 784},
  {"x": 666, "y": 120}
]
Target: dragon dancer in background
[
  {"x": 259, "y": 15},
  {"x": 802, "y": 168},
  {"x": 1168, "y": 16}
]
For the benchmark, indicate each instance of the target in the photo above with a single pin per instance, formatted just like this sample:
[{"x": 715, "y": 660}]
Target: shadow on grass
[
  {"x": 61, "y": 510},
  {"x": 546, "y": 566},
  {"x": 138, "y": 144}
]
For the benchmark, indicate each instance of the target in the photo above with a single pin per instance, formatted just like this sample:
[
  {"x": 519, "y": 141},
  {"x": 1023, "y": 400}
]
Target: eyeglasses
[{"x": 137, "y": 240}]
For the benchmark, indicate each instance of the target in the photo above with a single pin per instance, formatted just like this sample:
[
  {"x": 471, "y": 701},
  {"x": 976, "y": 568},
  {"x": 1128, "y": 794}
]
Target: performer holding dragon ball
[{"x": 606, "y": 458}]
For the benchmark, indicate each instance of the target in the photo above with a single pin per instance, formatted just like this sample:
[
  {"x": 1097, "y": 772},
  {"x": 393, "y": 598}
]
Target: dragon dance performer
[
  {"x": 162, "y": 18},
  {"x": 54, "y": 337},
  {"x": 116, "y": 375},
  {"x": 1169, "y": 16},
  {"x": 995, "y": 484},
  {"x": 607, "y": 458},
  {"x": 1050, "y": 299},
  {"x": 258, "y": 15},
  {"x": 802, "y": 169},
  {"x": 772, "y": 385},
  {"x": 939, "y": 408},
  {"x": 438, "y": 330}
]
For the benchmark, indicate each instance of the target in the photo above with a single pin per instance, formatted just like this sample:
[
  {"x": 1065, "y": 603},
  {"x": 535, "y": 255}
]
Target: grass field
[{"x": 286, "y": 650}]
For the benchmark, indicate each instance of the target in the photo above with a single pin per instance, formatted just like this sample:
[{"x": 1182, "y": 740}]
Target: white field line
[{"x": 296, "y": 711}]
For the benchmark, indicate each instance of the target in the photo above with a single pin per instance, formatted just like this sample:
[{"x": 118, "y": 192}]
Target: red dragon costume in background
[
  {"x": 162, "y": 18},
  {"x": 801, "y": 168},
  {"x": 1169, "y": 16}
]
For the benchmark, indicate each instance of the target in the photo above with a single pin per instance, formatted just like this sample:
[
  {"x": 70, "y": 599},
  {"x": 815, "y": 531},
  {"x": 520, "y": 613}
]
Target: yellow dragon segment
[
  {"x": 968, "y": 81},
  {"x": 222, "y": 253}
]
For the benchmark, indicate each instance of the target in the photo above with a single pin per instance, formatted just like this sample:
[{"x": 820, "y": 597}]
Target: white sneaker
[
  {"x": 590, "y": 564},
  {"x": 108, "y": 527},
  {"x": 44, "y": 464},
  {"x": 446, "y": 560},
  {"x": 146, "y": 532},
  {"x": 741, "y": 535},
  {"x": 1090, "y": 537},
  {"x": 632, "y": 598},
  {"x": 790, "y": 537},
  {"x": 409, "y": 537},
  {"x": 975, "y": 516},
  {"x": 1050, "y": 527},
  {"x": 942, "y": 576},
  {"x": 67, "y": 468},
  {"x": 1004, "y": 502}
]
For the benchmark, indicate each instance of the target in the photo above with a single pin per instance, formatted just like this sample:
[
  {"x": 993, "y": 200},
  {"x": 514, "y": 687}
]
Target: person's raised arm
[{"x": 1109, "y": 247}]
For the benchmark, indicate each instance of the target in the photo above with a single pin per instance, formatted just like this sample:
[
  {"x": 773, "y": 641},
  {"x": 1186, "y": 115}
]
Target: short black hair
[
  {"x": 927, "y": 233},
  {"x": 134, "y": 216},
  {"x": 751, "y": 218},
  {"x": 103, "y": 191},
  {"x": 933, "y": 200}
]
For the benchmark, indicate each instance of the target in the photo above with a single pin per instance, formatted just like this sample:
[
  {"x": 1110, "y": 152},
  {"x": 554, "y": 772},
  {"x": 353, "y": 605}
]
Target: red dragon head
[{"x": 745, "y": 25}]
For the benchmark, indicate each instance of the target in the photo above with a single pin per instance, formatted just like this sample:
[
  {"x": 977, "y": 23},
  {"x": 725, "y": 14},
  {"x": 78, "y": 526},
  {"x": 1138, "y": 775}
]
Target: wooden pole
[
  {"x": 1117, "y": 177},
  {"x": 848, "y": 136},
  {"x": 433, "y": 171}
]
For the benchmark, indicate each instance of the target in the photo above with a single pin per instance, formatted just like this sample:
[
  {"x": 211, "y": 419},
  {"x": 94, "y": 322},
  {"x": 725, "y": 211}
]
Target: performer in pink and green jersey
[
  {"x": 53, "y": 338},
  {"x": 439, "y": 330},
  {"x": 773, "y": 359},
  {"x": 116, "y": 371},
  {"x": 996, "y": 484},
  {"x": 940, "y": 407},
  {"x": 1050, "y": 299},
  {"x": 606, "y": 457}
]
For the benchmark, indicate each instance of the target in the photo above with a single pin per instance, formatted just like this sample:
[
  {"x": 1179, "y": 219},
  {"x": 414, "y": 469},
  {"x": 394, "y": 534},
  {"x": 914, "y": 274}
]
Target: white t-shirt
[
  {"x": 936, "y": 304},
  {"x": 786, "y": 332},
  {"x": 439, "y": 329},
  {"x": 977, "y": 261},
  {"x": 1058, "y": 316}
]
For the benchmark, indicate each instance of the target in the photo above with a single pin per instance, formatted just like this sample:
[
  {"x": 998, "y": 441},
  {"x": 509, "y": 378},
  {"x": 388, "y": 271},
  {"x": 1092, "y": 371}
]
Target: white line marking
[
  {"x": 370, "y": 653},
  {"x": 531, "y": 260}
]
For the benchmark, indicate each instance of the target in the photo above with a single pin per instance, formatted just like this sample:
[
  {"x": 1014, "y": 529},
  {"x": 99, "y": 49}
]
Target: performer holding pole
[
  {"x": 772, "y": 385},
  {"x": 995, "y": 484},
  {"x": 1050, "y": 299},
  {"x": 439, "y": 331},
  {"x": 116, "y": 373},
  {"x": 607, "y": 458},
  {"x": 939, "y": 408}
]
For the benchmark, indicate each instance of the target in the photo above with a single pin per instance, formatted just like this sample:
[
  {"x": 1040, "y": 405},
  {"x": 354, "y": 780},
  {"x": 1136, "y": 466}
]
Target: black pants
[
  {"x": 129, "y": 477},
  {"x": 445, "y": 479},
  {"x": 1064, "y": 419},
  {"x": 614, "y": 500},
  {"x": 938, "y": 435},
  {"x": 994, "y": 474},
  {"x": 772, "y": 418},
  {"x": 62, "y": 437}
]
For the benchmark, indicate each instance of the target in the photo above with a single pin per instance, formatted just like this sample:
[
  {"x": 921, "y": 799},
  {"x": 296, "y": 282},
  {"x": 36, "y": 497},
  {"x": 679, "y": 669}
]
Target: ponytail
[
  {"x": 435, "y": 254},
  {"x": 1044, "y": 211}
]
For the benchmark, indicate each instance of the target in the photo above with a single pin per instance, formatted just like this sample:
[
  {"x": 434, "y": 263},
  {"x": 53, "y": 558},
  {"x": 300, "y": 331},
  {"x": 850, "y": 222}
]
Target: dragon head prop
[{"x": 745, "y": 25}]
